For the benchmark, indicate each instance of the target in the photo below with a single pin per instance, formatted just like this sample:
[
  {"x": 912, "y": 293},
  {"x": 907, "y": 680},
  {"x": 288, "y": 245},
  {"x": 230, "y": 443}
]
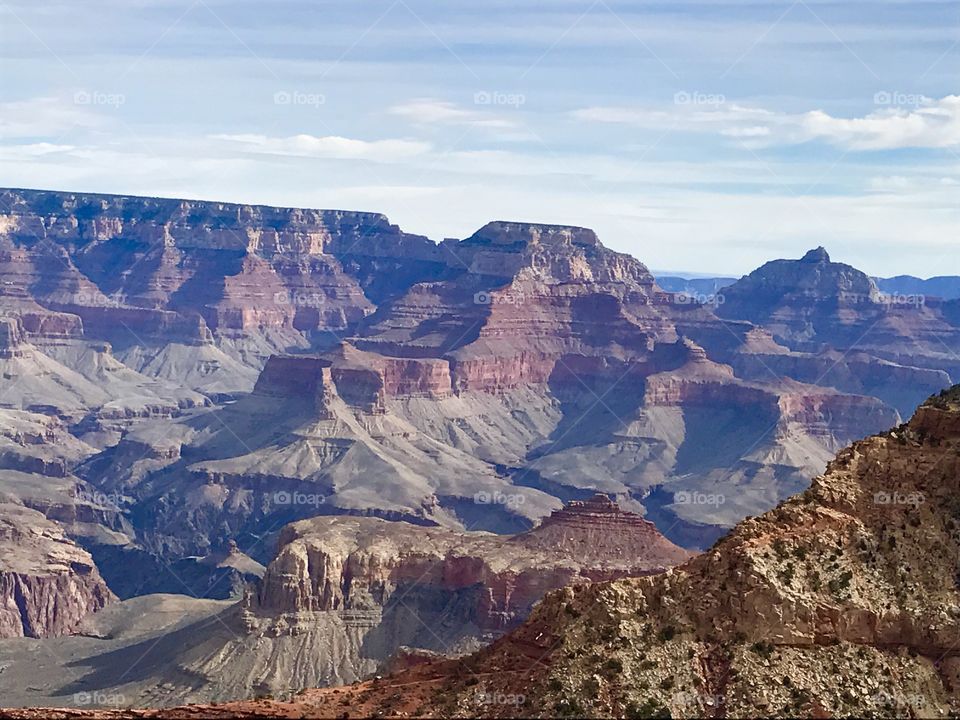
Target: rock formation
[
  {"x": 344, "y": 564},
  {"x": 903, "y": 346},
  {"x": 346, "y": 595},
  {"x": 210, "y": 365},
  {"x": 842, "y": 601},
  {"x": 48, "y": 585}
]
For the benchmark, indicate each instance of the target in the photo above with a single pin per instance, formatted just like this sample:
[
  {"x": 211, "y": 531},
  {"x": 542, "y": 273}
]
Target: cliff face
[
  {"x": 360, "y": 564},
  {"x": 841, "y": 601},
  {"x": 99, "y": 264},
  {"x": 48, "y": 585},
  {"x": 348, "y": 593},
  {"x": 519, "y": 297}
]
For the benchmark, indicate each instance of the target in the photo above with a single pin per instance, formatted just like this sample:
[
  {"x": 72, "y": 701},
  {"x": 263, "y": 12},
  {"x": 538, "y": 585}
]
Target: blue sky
[{"x": 707, "y": 136}]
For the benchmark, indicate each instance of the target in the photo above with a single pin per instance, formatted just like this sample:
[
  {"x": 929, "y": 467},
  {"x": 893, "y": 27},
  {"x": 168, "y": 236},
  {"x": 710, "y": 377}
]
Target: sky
[{"x": 703, "y": 137}]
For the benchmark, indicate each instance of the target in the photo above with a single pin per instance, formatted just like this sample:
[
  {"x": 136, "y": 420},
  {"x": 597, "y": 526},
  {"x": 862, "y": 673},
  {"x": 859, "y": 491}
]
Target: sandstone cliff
[{"x": 48, "y": 585}]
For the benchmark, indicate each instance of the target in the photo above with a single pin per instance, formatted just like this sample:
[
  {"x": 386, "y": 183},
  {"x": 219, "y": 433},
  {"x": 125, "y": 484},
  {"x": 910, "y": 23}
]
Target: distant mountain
[
  {"x": 813, "y": 303},
  {"x": 695, "y": 287},
  {"x": 945, "y": 286}
]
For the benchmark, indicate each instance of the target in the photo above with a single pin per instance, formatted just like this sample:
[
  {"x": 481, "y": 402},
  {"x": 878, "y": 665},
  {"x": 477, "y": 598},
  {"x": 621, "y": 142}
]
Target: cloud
[
  {"x": 934, "y": 125},
  {"x": 427, "y": 111},
  {"x": 931, "y": 124},
  {"x": 33, "y": 150},
  {"x": 46, "y": 117},
  {"x": 329, "y": 146}
]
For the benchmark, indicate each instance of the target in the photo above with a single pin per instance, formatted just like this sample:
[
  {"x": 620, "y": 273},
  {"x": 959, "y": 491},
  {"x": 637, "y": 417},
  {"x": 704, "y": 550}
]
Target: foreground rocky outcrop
[{"x": 48, "y": 585}]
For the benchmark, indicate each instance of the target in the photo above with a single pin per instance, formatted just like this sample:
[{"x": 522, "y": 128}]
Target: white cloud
[
  {"x": 329, "y": 146},
  {"x": 11, "y": 152},
  {"x": 46, "y": 117},
  {"x": 427, "y": 111},
  {"x": 933, "y": 124}
]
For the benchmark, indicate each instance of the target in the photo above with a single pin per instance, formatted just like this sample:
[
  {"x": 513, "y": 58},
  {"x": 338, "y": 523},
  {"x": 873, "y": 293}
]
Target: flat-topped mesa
[
  {"x": 548, "y": 253},
  {"x": 507, "y": 233},
  {"x": 363, "y": 380},
  {"x": 359, "y": 374},
  {"x": 92, "y": 217},
  {"x": 293, "y": 376}
]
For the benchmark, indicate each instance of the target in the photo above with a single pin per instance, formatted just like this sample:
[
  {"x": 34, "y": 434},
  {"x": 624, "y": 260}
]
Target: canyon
[
  {"x": 268, "y": 420},
  {"x": 344, "y": 597},
  {"x": 842, "y": 600}
]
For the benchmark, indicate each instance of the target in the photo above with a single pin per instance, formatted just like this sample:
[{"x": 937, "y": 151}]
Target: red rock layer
[{"x": 364, "y": 380}]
